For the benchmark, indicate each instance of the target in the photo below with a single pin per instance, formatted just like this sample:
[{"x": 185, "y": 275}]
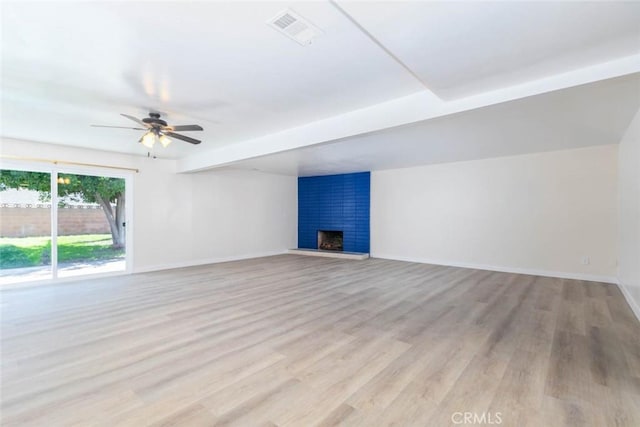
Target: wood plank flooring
[{"x": 303, "y": 341}]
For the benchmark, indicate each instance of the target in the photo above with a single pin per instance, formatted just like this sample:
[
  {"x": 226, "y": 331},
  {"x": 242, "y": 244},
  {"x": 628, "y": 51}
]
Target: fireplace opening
[{"x": 330, "y": 240}]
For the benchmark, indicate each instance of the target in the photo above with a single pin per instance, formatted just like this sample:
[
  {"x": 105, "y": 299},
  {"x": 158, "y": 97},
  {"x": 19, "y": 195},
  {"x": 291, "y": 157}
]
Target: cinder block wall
[{"x": 36, "y": 221}]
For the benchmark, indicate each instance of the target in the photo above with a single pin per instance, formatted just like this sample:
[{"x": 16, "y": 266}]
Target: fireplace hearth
[{"x": 330, "y": 240}]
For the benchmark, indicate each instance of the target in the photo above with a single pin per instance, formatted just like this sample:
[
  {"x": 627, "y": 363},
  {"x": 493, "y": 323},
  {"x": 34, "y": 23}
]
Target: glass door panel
[
  {"x": 91, "y": 224},
  {"x": 25, "y": 226}
]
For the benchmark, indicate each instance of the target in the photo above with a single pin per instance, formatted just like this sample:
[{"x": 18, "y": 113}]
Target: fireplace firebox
[{"x": 330, "y": 240}]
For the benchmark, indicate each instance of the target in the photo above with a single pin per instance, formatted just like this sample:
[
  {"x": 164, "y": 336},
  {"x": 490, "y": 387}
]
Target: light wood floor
[{"x": 303, "y": 341}]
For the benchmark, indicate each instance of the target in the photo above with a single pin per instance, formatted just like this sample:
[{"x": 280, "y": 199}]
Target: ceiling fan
[{"x": 158, "y": 130}]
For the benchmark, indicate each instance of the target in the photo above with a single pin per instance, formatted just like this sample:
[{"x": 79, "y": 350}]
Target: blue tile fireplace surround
[{"x": 336, "y": 205}]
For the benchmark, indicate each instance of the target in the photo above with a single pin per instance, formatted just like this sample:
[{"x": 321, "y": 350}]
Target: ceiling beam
[{"x": 397, "y": 112}]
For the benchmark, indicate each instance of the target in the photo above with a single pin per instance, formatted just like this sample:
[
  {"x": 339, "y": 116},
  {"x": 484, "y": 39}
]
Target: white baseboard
[
  {"x": 632, "y": 303},
  {"x": 194, "y": 263},
  {"x": 517, "y": 270}
]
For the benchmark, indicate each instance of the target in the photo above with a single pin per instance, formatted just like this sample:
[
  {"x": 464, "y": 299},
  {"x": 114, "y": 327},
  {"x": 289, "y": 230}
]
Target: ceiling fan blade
[
  {"x": 182, "y": 137},
  {"x": 138, "y": 121},
  {"x": 183, "y": 128},
  {"x": 116, "y": 127}
]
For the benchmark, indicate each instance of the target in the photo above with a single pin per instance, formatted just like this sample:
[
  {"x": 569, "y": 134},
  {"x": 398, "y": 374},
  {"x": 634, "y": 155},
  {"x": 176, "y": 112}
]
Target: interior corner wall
[
  {"x": 629, "y": 215},
  {"x": 539, "y": 213},
  {"x": 189, "y": 219},
  {"x": 242, "y": 214},
  {"x": 213, "y": 216}
]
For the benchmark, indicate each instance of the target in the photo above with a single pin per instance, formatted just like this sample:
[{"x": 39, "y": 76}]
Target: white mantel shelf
[{"x": 329, "y": 254}]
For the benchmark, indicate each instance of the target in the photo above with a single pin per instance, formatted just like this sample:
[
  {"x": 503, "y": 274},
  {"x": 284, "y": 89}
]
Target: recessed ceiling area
[{"x": 374, "y": 66}]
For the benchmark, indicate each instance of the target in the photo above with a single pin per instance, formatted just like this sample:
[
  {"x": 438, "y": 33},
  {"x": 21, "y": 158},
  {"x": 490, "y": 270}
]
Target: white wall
[
  {"x": 215, "y": 216},
  {"x": 188, "y": 219},
  {"x": 538, "y": 213},
  {"x": 629, "y": 214}
]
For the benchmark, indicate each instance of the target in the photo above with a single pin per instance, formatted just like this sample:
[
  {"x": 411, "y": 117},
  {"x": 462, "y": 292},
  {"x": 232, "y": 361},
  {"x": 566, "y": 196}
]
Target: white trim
[
  {"x": 632, "y": 303},
  {"x": 129, "y": 223},
  {"x": 205, "y": 261},
  {"x": 53, "y": 190},
  {"x": 517, "y": 270}
]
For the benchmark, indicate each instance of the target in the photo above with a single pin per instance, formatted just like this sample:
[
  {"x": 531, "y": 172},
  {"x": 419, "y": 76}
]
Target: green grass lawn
[{"x": 33, "y": 251}]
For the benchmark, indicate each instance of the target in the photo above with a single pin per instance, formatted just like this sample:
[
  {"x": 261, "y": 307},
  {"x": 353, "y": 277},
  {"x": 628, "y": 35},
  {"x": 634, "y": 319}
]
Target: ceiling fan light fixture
[
  {"x": 164, "y": 140},
  {"x": 156, "y": 130},
  {"x": 148, "y": 139}
]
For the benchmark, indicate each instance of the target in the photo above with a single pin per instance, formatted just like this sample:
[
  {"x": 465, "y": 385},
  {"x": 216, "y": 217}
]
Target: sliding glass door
[
  {"x": 91, "y": 222},
  {"x": 60, "y": 224},
  {"x": 25, "y": 226}
]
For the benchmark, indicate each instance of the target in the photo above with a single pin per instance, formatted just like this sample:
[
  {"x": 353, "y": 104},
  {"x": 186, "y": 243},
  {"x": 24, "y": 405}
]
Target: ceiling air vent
[{"x": 294, "y": 26}]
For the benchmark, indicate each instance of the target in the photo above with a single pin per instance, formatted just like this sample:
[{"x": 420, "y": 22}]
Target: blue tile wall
[{"x": 334, "y": 202}]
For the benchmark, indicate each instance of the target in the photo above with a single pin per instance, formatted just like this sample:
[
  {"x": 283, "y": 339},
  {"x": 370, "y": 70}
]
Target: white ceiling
[
  {"x": 582, "y": 116},
  {"x": 217, "y": 64},
  {"x": 463, "y": 48}
]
